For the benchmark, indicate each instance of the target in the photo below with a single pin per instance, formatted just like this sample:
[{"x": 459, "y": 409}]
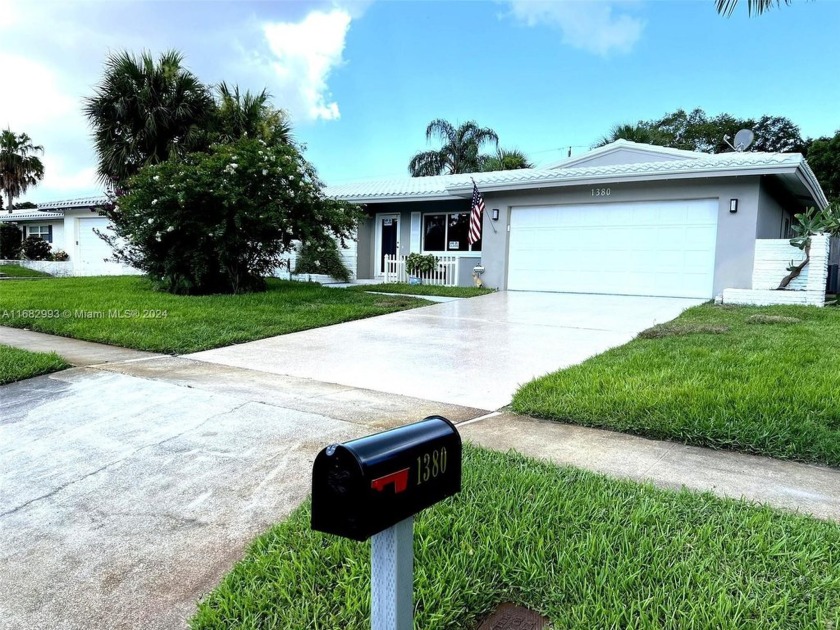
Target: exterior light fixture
[
  {"x": 495, "y": 214},
  {"x": 733, "y": 206}
]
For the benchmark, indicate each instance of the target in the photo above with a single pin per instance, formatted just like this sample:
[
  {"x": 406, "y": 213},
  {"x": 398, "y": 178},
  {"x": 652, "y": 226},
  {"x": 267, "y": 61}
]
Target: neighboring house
[
  {"x": 69, "y": 226},
  {"x": 625, "y": 218},
  {"x": 47, "y": 225}
]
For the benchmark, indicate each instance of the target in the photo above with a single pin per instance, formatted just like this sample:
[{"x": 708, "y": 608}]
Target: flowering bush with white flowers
[
  {"x": 219, "y": 222},
  {"x": 321, "y": 258}
]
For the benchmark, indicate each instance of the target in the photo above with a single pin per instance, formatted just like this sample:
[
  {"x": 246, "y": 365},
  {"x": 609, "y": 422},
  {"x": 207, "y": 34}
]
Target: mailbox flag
[{"x": 475, "y": 215}]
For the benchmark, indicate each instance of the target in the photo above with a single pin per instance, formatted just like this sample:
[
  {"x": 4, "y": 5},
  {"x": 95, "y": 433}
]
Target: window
[
  {"x": 43, "y": 231},
  {"x": 448, "y": 233}
]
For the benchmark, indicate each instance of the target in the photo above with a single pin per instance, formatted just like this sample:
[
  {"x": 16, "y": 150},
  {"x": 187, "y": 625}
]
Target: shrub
[
  {"x": 218, "y": 222},
  {"x": 11, "y": 241},
  {"x": 60, "y": 255},
  {"x": 322, "y": 257},
  {"x": 418, "y": 263},
  {"x": 36, "y": 248}
]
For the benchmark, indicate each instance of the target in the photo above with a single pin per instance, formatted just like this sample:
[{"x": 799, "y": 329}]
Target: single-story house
[
  {"x": 69, "y": 227},
  {"x": 625, "y": 218}
]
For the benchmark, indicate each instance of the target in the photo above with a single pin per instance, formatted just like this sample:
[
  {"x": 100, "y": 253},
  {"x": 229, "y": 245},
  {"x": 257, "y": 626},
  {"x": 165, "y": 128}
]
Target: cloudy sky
[{"x": 362, "y": 79}]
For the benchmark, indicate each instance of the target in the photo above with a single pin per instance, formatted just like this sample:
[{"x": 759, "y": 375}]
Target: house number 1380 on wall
[
  {"x": 600, "y": 192},
  {"x": 430, "y": 465}
]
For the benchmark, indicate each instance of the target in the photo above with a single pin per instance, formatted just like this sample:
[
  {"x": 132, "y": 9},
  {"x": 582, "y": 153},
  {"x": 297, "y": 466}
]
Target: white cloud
[
  {"x": 592, "y": 26},
  {"x": 305, "y": 54},
  {"x": 62, "y": 180},
  {"x": 35, "y": 96}
]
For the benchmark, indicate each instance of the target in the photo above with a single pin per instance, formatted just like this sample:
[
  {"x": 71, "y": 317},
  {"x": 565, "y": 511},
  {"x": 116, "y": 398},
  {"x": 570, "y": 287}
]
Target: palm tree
[
  {"x": 460, "y": 152},
  {"x": 20, "y": 166},
  {"x": 249, "y": 115},
  {"x": 754, "y": 7},
  {"x": 505, "y": 160},
  {"x": 145, "y": 111}
]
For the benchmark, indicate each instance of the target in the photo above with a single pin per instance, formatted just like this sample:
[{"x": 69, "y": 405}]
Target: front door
[{"x": 387, "y": 238}]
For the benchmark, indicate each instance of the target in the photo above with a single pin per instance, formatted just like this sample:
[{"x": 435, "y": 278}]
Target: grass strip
[
  {"x": 19, "y": 271},
  {"x": 16, "y": 364},
  {"x": 760, "y": 380},
  {"x": 582, "y": 549},
  {"x": 126, "y": 311}
]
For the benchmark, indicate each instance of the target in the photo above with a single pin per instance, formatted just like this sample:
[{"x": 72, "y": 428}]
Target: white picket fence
[{"x": 446, "y": 274}]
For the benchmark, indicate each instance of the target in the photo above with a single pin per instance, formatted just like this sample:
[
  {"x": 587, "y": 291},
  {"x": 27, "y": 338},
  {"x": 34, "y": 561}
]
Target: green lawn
[
  {"x": 421, "y": 289},
  {"x": 17, "y": 271},
  {"x": 126, "y": 311},
  {"x": 759, "y": 380},
  {"x": 582, "y": 549},
  {"x": 16, "y": 365}
]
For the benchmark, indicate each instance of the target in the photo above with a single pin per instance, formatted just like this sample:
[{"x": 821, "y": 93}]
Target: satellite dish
[{"x": 743, "y": 139}]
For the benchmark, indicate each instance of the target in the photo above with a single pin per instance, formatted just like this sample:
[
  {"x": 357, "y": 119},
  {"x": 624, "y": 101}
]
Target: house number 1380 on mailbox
[{"x": 365, "y": 486}]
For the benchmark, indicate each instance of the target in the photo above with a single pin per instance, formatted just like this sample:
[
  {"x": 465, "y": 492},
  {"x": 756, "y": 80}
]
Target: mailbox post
[{"x": 374, "y": 486}]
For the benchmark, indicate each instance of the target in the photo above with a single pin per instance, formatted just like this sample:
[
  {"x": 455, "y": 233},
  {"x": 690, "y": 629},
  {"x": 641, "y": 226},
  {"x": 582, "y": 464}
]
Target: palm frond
[{"x": 754, "y": 7}]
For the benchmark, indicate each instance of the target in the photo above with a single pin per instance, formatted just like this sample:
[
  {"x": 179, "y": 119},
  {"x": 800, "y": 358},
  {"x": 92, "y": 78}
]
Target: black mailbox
[{"x": 365, "y": 486}]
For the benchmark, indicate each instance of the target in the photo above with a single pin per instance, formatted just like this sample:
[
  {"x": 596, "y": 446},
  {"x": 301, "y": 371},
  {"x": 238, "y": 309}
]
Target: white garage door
[
  {"x": 91, "y": 247},
  {"x": 662, "y": 248}
]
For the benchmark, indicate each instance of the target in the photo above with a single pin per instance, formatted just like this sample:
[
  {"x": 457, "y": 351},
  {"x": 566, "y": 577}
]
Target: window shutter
[
  {"x": 49, "y": 234},
  {"x": 414, "y": 245}
]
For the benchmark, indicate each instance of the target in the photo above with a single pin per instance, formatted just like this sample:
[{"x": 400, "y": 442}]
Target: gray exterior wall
[
  {"x": 364, "y": 249},
  {"x": 367, "y": 230},
  {"x": 736, "y": 233},
  {"x": 775, "y": 205}
]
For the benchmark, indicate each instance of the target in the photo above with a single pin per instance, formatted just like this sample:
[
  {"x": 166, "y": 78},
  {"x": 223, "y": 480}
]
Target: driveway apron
[{"x": 472, "y": 352}]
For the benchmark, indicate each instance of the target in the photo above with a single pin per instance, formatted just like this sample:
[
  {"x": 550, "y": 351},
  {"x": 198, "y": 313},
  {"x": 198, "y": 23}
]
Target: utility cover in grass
[{"x": 513, "y": 617}]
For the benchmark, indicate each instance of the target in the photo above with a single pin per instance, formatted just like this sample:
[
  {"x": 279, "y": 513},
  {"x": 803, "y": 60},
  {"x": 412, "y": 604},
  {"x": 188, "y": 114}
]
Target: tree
[
  {"x": 248, "y": 116},
  {"x": 20, "y": 166},
  {"x": 754, "y": 7},
  {"x": 505, "y": 160},
  {"x": 143, "y": 112},
  {"x": 697, "y": 131},
  {"x": 219, "y": 221},
  {"x": 461, "y": 150},
  {"x": 824, "y": 160},
  {"x": 809, "y": 223},
  {"x": 640, "y": 132},
  {"x": 11, "y": 241}
]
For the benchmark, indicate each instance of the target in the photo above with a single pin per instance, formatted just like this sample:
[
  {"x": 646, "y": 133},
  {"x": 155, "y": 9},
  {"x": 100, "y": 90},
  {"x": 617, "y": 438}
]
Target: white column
[{"x": 392, "y": 577}]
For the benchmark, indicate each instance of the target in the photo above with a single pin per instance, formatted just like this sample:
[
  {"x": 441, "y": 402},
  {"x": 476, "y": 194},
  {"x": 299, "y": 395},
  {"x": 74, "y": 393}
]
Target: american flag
[{"x": 475, "y": 216}]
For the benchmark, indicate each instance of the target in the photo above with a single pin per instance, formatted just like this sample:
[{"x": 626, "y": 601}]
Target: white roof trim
[
  {"x": 460, "y": 186},
  {"x": 84, "y": 202},
  {"x": 28, "y": 215},
  {"x": 722, "y": 164}
]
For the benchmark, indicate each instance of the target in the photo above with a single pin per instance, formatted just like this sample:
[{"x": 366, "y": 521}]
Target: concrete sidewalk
[
  {"x": 75, "y": 352},
  {"x": 782, "y": 484}
]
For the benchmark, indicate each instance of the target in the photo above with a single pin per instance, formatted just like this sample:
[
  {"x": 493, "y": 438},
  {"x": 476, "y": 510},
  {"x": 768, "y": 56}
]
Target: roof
[
  {"x": 84, "y": 202},
  {"x": 792, "y": 166},
  {"x": 25, "y": 215},
  {"x": 621, "y": 144}
]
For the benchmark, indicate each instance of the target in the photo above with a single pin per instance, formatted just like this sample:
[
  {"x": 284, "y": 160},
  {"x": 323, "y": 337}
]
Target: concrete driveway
[{"x": 472, "y": 352}]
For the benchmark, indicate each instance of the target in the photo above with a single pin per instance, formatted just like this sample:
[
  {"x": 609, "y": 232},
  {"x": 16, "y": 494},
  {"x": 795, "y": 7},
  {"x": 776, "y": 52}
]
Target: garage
[
  {"x": 92, "y": 250},
  {"x": 660, "y": 248}
]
